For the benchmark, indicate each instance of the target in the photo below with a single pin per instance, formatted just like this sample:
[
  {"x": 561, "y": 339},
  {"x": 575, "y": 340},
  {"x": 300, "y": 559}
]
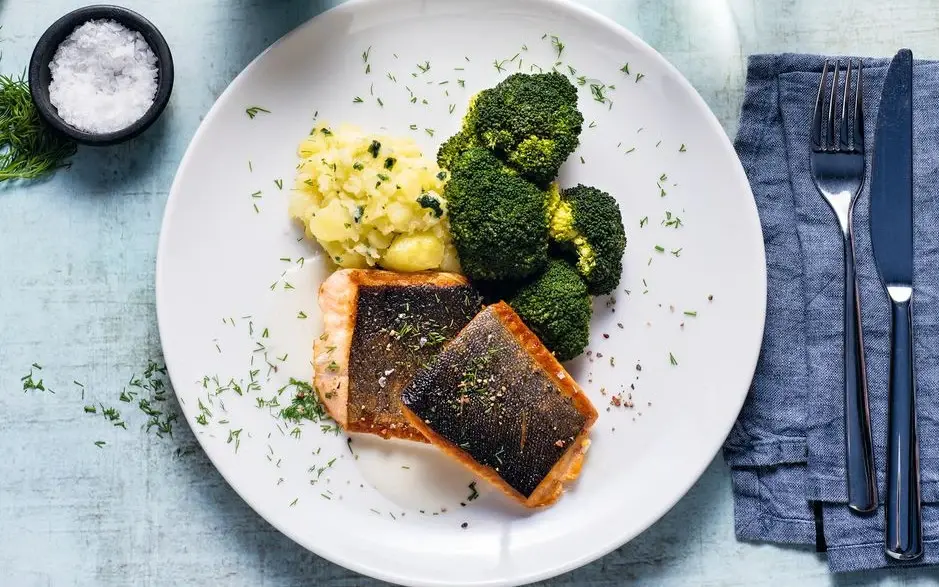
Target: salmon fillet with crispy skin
[
  {"x": 380, "y": 328},
  {"x": 499, "y": 402}
]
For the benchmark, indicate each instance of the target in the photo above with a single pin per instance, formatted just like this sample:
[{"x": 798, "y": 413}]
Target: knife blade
[{"x": 891, "y": 218}]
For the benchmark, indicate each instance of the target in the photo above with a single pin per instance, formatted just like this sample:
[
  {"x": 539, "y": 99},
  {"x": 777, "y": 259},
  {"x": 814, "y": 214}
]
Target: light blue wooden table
[{"x": 77, "y": 259}]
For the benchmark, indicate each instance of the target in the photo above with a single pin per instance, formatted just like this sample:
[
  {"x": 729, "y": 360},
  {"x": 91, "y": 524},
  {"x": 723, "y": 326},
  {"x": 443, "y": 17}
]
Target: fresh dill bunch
[{"x": 29, "y": 149}]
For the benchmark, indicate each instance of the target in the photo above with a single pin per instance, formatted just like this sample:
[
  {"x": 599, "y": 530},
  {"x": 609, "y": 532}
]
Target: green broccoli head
[
  {"x": 462, "y": 141},
  {"x": 531, "y": 121},
  {"x": 557, "y": 307},
  {"x": 498, "y": 220},
  {"x": 588, "y": 222}
]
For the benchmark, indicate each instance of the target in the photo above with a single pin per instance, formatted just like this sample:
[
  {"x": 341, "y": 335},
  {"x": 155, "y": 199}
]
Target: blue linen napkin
[{"x": 786, "y": 451}]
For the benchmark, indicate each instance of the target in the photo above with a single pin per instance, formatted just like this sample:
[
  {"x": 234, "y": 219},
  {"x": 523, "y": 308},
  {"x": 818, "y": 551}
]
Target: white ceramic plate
[{"x": 219, "y": 259}]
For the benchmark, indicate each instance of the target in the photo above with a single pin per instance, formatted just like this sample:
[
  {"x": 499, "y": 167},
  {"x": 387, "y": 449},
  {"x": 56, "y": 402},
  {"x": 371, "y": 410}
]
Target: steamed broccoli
[
  {"x": 498, "y": 220},
  {"x": 462, "y": 141},
  {"x": 588, "y": 222},
  {"x": 557, "y": 308},
  {"x": 529, "y": 120}
]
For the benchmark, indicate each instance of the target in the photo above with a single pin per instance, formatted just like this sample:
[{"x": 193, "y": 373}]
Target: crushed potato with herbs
[{"x": 372, "y": 200}]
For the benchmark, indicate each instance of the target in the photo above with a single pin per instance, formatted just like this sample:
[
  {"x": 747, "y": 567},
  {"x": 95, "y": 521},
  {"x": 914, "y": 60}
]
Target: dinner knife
[{"x": 891, "y": 217}]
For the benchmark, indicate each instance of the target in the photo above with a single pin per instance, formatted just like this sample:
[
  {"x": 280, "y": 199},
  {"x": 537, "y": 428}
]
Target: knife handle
[
  {"x": 904, "y": 523},
  {"x": 862, "y": 481}
]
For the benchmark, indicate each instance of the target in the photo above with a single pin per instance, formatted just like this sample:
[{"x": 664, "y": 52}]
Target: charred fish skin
[
  {"x": 487, "y": 395},
  {"x": 398, "y": 330}
]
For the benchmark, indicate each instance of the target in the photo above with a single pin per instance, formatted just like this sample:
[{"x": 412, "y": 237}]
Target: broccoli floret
[
  {"x": 498, "y": 220},
  {"x": 455, "y": 146},
  {"x": 557, "y": 307},
  {"x": 462, "y": 141},
  {"x": 531, "y": 121},
  {"x": 588, "y": 222}
]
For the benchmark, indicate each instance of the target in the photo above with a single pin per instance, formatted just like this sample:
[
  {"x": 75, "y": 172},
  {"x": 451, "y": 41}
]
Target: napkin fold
[{"x": 787, "y": 449}]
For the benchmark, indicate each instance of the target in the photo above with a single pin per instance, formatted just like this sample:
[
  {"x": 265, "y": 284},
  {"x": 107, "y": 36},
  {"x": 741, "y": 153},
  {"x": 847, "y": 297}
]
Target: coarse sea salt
[{"x": 104, "y": 77}]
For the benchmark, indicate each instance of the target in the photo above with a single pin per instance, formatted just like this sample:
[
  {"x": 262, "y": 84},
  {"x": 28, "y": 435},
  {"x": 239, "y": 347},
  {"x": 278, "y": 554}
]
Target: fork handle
[
  {"x": 862, "y": 482},
  {"x": 904, "y": 534}
]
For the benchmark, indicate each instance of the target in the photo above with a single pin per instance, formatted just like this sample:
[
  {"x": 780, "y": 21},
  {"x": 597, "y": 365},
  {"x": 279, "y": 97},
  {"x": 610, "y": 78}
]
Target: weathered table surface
[{"x": 77, "y": 257}]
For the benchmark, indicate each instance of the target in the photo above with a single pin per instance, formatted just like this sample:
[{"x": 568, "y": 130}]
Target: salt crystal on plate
[{"x": 104, "y": 77}]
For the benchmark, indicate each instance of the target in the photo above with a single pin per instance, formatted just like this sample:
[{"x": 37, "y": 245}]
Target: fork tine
[
  {"x": 832, "y": 142},
  {"x": 858, "y": 139},
  {"x": 819, "y": 104},
  {"x": 846, "y": 135}
]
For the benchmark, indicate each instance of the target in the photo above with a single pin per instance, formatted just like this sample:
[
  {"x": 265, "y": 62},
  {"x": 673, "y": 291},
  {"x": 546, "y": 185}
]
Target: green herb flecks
[
  {"x": 253, "y": 111},
  {"x": 29, "y": 149},
  {"x": 304, "y": 405},
  {"x": 30, "y": 383}
]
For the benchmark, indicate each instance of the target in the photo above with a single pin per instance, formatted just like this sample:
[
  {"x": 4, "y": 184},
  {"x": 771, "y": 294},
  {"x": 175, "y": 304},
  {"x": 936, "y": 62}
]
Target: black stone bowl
[{"x": 40, "y": 76}]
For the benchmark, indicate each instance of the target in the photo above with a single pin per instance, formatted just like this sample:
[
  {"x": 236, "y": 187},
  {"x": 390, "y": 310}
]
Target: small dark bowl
[{"x": 40, "y": 76}]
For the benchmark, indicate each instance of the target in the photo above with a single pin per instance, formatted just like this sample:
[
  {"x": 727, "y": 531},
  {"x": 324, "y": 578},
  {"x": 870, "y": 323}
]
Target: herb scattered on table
[
  {"x": 29, "y": 149},
  {"x": 30, "y": 384}
]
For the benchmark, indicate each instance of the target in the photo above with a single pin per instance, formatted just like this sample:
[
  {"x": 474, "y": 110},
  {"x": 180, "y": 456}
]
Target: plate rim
[{"x": 595, "y": 19}]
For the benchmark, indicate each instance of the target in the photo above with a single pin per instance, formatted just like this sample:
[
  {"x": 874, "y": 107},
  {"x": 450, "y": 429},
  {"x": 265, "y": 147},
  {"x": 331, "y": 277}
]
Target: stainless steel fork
[{"x": 838, "y": 172}]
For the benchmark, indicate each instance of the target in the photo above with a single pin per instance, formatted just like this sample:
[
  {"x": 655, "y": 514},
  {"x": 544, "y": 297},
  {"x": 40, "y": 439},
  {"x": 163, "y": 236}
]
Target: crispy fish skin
[
  {"x": 379, "y": 328},
  {"x": 499, "y": 402}
]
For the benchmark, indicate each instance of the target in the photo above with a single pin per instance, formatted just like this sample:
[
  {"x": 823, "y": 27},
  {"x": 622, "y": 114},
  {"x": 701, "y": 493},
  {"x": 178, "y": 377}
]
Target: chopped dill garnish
[
  {"x": 294, "y": 502},
  {"x": 253, "y": 111},
  {"x": 672, "y": 359},
  {"x": 392, "y": 77},
  {"x": 671, "y": 220},
  {"x": 357, "y": 100},
  {"x": 380, "y": 103},
  {"x": 424, "y": 67},
  {"x": 682, "y": 148},
  {"x": 279, "y": 183},
  {"x": 29, "y": 384},
  {"x": 582, "y": 161},
  {"x": 473, "y": 493},
  {"x": 660, "y": 248},
  {"x": 250, "y": 166},
  {"x": 557, "y": 44},
  {"x": 429, "y": 131},
  {"x": 643, "y": 221},
  {"x": 498, "y": 65},
  {"x": 462, "y": 83},
  {"x": 625, "y": 69},
  {"x": 235, "y": 435},
  {"x": 592, "y": 124},
  {"x": 639, "y": 76},
  {"x": 676, "y": 252},
  {"x": 630, "y": 150},
  {"x": 691, "y": 313},
  {"x": 452, "y": 108},
  {"x": 256, "y": 194},
  {"x": 29, "y": 149},
  {"x": 301, "y": 315},
  {"x": 100, "y": 443}
]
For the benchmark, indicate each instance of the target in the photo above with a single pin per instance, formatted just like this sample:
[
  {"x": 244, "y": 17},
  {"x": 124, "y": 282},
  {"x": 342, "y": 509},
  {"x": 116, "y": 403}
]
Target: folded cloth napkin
[{"x": 787, "y": 449}]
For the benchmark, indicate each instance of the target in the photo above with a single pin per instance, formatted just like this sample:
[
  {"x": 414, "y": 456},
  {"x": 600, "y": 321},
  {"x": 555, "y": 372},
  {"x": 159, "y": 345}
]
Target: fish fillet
[
  {"x": 499, "y": 402},
  {"x": 380, "y": 328}
]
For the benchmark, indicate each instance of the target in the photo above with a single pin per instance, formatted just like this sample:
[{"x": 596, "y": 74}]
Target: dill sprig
[{"x": 29, "y": 149}]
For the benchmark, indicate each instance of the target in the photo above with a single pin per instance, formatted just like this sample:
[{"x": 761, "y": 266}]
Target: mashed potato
[{"x": 372, "y": 200}]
